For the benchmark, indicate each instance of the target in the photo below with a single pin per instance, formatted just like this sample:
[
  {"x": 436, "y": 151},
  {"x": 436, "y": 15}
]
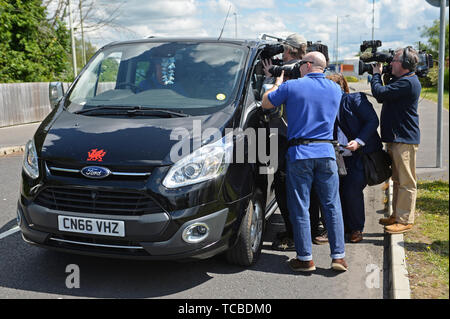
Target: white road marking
[{"x": 9, "y": 232}]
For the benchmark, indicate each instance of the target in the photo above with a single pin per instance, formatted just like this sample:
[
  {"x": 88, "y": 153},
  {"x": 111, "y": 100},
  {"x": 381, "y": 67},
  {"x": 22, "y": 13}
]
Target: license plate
[{"x": 91, "y": 226}]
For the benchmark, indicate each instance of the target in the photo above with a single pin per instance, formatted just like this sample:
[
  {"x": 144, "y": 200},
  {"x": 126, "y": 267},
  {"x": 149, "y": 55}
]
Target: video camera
[
  {"x": 373, "y": 56},
  {"x": 386, "y": 57},
  {"x": 292, "y": 70}
]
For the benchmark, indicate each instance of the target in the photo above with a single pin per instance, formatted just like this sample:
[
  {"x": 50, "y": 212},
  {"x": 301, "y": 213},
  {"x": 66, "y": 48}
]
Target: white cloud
[
  {"x": 396, "y": 22},
  {"x": 265, "y": 23},
  {"x": 252, "y": 4},
  {"x": 221, "y": 6}
]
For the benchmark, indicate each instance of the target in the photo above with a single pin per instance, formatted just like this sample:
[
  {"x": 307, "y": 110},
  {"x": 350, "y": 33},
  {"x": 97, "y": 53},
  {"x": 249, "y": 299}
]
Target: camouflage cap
[{"x": 295, "y": 40}]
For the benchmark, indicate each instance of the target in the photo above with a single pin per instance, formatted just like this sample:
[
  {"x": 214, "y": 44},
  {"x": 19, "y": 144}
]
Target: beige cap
[{"x": 295, "y": 40}]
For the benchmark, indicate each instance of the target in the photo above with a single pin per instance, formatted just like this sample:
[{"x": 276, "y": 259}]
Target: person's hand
[
  {"x": 352, "y": 145},
  {"x": 377, "y": 68},
  {"x": 280, "y": 79},
  {"x": 267, "y": 64}
]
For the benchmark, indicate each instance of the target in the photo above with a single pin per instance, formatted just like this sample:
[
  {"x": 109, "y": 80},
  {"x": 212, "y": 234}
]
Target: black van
[{"x": 103, "y": 174}]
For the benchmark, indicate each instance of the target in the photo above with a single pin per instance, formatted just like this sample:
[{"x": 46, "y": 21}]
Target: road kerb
[
  {"x": 399, "y": 273},
  {"x": 399, "y": 280},
  {"x": 11, "y": 150}
]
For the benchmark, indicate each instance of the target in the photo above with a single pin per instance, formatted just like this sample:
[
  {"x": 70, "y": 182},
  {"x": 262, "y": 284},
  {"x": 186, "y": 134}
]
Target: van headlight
[
  {"x": 30, "y": 160},
  {"x": 207, "y": 162}
]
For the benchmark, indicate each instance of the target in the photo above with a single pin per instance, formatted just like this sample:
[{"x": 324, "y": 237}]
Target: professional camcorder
[
  {"x": 292, "y": 70},
  {"x": 369, "y": 54}
]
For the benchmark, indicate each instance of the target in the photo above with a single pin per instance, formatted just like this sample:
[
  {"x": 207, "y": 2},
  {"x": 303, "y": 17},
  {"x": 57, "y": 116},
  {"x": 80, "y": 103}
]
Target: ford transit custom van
[{"x": 141, "y": 158}]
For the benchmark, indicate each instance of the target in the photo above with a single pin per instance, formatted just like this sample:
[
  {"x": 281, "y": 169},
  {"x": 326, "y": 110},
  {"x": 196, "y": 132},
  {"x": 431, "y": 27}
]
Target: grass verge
[
  {"x": 426, "y": 245},
  {"x": 432, "y": 94}
]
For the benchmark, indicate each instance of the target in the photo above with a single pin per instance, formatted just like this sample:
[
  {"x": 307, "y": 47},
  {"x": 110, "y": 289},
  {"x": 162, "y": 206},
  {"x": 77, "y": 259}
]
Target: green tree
[
  {"x": 432, "y": 34},
  {"x": 432, "y": 47},
  {"x": 31, "y": 50},
  {"x": 109, "y": 69},
  {"x": 90, "y": 51}
]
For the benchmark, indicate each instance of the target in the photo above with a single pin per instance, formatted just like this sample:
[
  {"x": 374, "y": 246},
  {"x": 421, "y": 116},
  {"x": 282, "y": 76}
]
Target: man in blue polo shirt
[{"x": 312, "y": 103}]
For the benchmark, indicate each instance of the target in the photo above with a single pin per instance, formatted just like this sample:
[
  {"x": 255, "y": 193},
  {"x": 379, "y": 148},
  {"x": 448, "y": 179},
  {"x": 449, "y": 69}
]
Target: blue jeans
[{"x": 322, "y": 173}]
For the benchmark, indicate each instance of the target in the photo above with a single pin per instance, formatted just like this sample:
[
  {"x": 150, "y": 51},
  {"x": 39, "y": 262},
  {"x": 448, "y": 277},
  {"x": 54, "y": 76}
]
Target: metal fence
[{"x": 22, "y": 103}]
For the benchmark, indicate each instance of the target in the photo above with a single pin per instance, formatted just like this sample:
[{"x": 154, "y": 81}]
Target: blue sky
[{"x": 397, "y": 22}]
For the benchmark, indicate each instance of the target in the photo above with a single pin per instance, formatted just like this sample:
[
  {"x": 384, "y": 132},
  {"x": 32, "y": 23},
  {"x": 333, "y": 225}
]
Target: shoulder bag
[{"x": 377, "y": 167}]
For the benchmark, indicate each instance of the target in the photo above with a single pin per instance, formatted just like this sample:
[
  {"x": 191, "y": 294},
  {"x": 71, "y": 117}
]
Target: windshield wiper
[
  {"x": 133, "y": 110},
  {"x": 101, "y": 107},
  {"x": 145, "y": 110}
]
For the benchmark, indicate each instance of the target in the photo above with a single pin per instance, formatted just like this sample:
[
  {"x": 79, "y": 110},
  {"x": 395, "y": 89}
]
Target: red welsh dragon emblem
[{"x": 96, "y": 155}]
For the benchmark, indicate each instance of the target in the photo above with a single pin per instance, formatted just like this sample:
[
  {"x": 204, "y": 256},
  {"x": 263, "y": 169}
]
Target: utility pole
[
  {"x": 337, "y": 36},
  {"x": 337, "y": 41},
  {"x": 235, "y": 25},
  {"x": 373, "y": 19},
  {"x": 440, "y": 134},
  {"x": 83, "y": 46},
  {"x": 74, "y": 53}
]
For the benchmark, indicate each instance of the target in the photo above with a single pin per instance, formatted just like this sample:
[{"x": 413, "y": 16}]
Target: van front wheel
[{"x": 249, "y": 243}]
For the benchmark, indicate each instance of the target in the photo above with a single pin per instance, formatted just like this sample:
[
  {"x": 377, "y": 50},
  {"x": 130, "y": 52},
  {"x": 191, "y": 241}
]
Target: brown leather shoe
[
  {"x": 339, "y": 264},
  {"x": 387, "y": 221},
  {"x": 356, "y": 236},
  {"x": 321, "y": 240},
  {"x": 398, "y": 228},
  {"x": 298, "y": 265}
]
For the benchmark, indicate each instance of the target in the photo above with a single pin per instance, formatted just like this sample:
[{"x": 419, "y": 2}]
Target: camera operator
[
  {"x": 294, "y": 49},
  {"x": 399, "y": 123}
]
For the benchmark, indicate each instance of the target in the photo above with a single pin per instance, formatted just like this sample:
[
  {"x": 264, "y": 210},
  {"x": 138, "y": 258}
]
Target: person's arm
[
  {"x": 266, "y": 103},
  {"x": 366, "y": 114},
  {"x": 390, "y": 91}
]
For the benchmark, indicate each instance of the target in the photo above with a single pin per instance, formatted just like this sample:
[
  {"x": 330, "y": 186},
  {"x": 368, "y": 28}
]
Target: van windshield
[{"x": 195, "y": 78}]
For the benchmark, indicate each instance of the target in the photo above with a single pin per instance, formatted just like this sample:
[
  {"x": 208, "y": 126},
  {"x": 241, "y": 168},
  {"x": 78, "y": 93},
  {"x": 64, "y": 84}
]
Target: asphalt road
[{"x": 31, "y": 272}]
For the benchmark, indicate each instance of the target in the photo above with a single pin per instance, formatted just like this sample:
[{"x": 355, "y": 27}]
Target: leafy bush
[{"x": 431, "y": 80}]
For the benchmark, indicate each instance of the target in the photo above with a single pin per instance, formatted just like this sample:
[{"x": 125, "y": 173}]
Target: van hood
[{"x": 79, "y": 140}]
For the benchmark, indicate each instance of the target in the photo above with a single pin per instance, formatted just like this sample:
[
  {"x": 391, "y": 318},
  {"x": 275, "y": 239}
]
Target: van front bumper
[{"x": 146, "y": 236}]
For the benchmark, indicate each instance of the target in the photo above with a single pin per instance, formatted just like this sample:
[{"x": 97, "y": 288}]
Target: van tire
[{"x": 248, "y": 246}]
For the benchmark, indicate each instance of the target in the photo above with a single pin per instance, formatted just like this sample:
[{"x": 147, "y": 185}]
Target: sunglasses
[{"x": 304, "y": 62}]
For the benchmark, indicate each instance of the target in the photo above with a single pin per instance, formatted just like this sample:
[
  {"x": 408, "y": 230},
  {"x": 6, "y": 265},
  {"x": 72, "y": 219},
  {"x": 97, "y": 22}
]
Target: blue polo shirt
[{"x": 312, "y": 103}]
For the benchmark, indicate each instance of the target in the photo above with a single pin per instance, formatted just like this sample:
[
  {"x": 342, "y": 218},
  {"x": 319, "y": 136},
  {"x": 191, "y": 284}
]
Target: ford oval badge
[{"x": 95, "y": 172}]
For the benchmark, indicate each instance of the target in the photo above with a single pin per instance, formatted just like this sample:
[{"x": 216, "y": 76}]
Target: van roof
[{"x": 245, "y": 42}]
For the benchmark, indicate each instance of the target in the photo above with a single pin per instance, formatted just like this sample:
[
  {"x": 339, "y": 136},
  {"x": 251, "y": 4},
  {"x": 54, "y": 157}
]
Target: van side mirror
[{"x": 55, "y": 93}]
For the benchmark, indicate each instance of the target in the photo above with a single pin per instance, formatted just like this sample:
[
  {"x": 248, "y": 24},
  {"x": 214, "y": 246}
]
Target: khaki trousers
[{"x": 404, "y": 179}]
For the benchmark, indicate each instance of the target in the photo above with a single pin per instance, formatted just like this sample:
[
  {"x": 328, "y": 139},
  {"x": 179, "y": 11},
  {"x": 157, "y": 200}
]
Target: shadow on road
[{"x": 27, "y": 268}]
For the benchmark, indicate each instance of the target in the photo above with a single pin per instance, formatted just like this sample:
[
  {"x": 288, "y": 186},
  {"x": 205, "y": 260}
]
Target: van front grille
[
  {"x": 94, "y": 201},
  {"x": 97, "y": 245}
]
